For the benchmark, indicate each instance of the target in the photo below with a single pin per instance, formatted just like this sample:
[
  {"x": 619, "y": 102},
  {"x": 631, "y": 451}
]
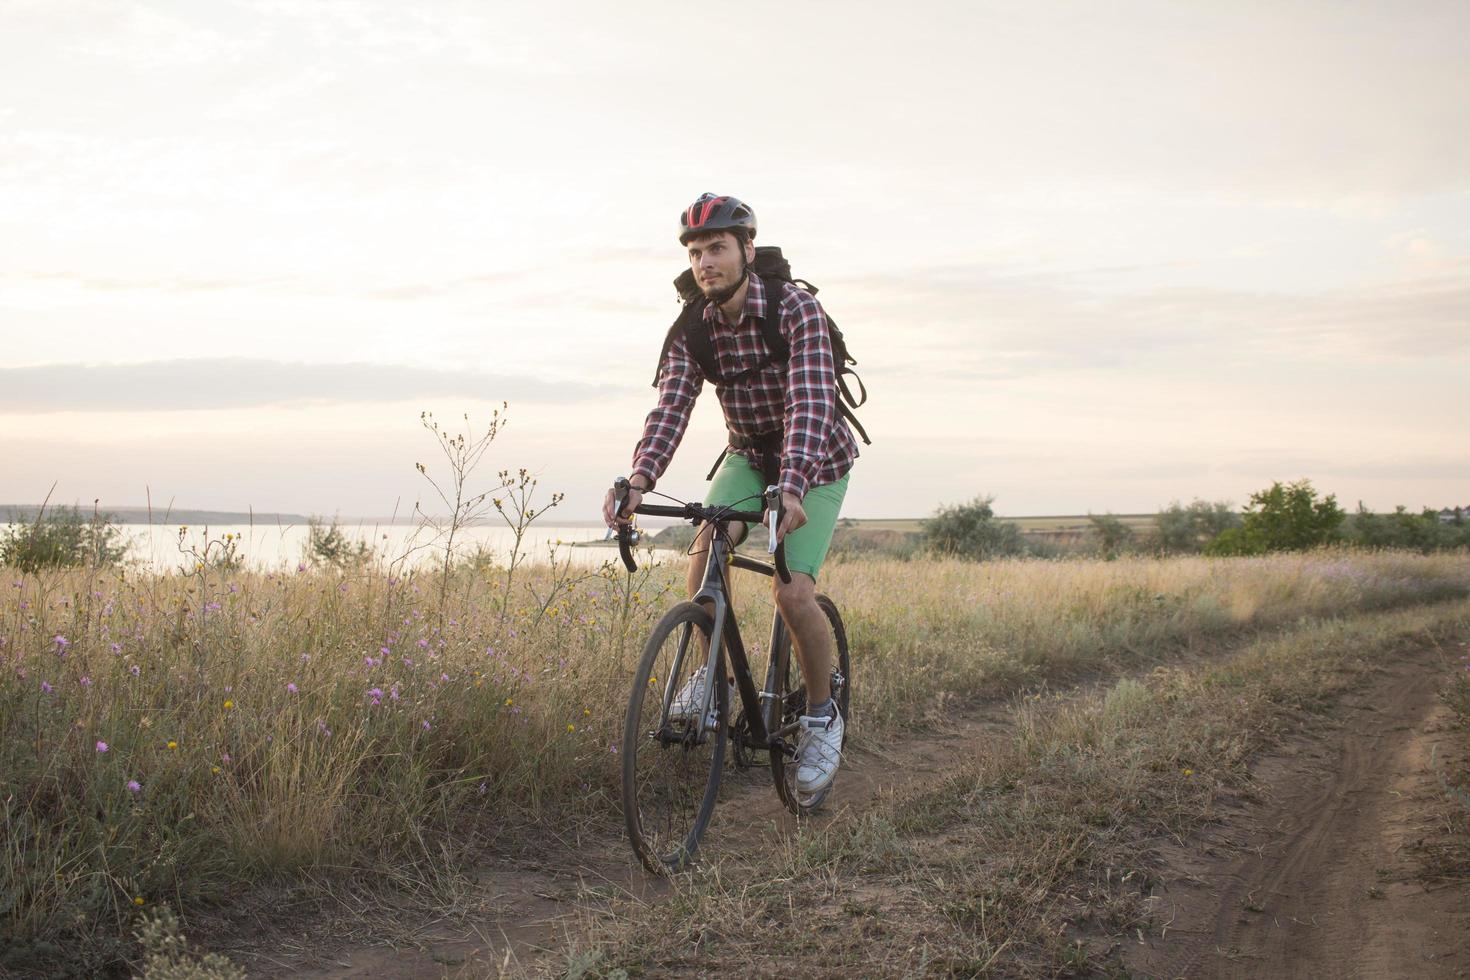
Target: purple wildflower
[
  {"x": 46, "y": 688},
  {"x": 101, "y": 746},
  {"x": 116, "y": 648},
  {"x": 85, "y": 681},
  {"x": 426, "y": 724},
  {"x": 301, "y": 566},
  {"x": 291, "y": 688},
  {"x": 134, "y": 786},
  {"x": 135, "y": 670},
  {"x": 61, "y": 643}
]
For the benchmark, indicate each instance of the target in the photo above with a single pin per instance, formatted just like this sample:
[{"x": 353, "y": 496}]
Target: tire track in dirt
[
  {"x": 1320, "y": 881},
  {"x": 1341, "y": 809},
  {"x": 538, "y": 906}
]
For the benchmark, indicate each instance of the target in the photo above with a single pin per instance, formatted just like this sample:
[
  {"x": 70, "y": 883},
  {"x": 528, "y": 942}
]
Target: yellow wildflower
[
  {"x": 229, "y": 705},
  {"x": 571, "y": 727},
  {"x": 172, "y": 744},
  {"x": 138, "y": 900}
]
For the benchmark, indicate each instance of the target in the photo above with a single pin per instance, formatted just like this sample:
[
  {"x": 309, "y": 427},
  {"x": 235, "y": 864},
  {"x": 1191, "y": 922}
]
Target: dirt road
[
  {"x": 1322, "y": 879},
  {"x": 1318, "y": 874}
]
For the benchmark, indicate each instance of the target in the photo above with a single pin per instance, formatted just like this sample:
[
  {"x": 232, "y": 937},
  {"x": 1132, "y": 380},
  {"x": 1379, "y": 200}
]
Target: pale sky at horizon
[{"x": 1089, "y": 259}]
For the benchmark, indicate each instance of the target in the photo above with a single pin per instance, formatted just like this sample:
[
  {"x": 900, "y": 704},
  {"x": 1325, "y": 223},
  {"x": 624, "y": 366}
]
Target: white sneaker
[
  {"x": 690, "y": 697},
  {"x": 818, "y": 752}
]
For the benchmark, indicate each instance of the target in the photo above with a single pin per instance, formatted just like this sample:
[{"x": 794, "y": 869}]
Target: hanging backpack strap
[
  {"x": 719, "y": 461},
  {"x": 852, "y": 421}
]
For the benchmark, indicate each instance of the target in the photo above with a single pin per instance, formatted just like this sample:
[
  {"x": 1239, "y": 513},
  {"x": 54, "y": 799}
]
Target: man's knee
[{"x": 800, "y": 592}]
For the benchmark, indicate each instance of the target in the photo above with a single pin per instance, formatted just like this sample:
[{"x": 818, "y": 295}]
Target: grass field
[{"x": 178, "y": 738}]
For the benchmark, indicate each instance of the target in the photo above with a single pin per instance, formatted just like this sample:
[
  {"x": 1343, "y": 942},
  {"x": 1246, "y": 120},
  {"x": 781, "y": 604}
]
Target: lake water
[{"x": 158, "y": 546}]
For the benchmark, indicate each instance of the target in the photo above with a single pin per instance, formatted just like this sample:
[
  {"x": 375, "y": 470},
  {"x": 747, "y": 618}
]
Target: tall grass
[{"x": 175, "y": 737}]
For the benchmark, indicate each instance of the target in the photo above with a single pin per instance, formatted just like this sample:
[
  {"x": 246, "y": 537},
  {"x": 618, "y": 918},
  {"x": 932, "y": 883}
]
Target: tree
[
  {"x": 1286, "y": 517},
  {"x": 328, "y": 544},
  {"x": 61, "y": 538},
  {"x": 1188, "y": 529},
  {"x": 1112, "y": 534},
  {"x": 971, "y": 531}
]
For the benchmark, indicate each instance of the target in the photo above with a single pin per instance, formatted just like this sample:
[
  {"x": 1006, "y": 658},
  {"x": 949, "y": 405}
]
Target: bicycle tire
[
  {"x": 791, "y": 695},
  {"x": 670, "y": 779}
]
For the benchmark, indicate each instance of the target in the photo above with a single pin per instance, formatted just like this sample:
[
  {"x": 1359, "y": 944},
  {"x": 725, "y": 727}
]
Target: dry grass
[
  {"x": 1030, "y": 859},
  {"x": 311, "y": 729}
]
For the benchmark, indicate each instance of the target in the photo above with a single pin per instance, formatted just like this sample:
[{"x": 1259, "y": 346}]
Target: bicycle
[{"x": 674, "y": 753}]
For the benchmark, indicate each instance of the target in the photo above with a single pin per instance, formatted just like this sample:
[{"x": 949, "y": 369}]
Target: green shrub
[
  {"x": 1421, "y": 532},
  {"x": 1286, "y": 517},
  {"x": 61, "y": 538},
  {"x": 1186, "y": 530},
  {"x": 1112, "y": 534},
  {"x": 327, "y": 544},
  {"x": 971, "y": 531}
]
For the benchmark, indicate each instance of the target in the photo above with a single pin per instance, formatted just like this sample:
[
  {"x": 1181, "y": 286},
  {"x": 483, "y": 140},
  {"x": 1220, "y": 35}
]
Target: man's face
[{"x": 716, "y": 259}]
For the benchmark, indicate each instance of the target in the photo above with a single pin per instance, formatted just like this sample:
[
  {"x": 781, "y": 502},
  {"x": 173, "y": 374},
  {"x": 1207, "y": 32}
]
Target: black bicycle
[{"x": 678, "y": 724}]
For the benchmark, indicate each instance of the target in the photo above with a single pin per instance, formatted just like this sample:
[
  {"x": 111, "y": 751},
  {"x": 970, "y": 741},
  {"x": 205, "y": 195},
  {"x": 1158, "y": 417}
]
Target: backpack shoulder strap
[
  {"x": 696, "y": 338},
  {"x": 690, "y": 324},
  {"x": 771, "y": 322}
]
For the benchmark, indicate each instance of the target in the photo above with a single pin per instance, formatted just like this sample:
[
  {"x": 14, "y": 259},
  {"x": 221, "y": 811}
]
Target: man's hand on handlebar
[
  {"x": 635, "y": 497},
  {"x": 792, "y": 515}
]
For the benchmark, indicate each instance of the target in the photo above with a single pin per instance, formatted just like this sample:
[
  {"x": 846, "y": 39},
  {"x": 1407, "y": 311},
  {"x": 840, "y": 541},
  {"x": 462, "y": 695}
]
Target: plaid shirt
[{"x": 798, "y": 397}]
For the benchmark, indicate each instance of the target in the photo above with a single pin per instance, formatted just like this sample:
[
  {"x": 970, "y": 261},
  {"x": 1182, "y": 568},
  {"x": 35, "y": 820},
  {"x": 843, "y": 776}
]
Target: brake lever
[
  {"x": 774, "y": 514},
  {"x": 627, "y": 534}
]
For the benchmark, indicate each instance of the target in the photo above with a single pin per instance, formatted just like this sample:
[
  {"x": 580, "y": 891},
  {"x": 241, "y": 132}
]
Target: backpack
[{"x": 774, "y": 271}]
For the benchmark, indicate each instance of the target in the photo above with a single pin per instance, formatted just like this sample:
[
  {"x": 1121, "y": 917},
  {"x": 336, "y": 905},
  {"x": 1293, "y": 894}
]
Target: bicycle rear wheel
[
  {"x": 791, "y": 695},
  {"x": 671, "y": 773}
]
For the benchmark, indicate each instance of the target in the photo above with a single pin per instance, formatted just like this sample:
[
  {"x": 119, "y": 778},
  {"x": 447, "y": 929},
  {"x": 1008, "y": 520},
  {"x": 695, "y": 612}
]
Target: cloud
[
  {"x": 979, "y": 325},
  {"x": 235, "y": 383}
]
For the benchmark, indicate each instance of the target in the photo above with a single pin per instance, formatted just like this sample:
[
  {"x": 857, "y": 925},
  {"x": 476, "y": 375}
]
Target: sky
[{"x": 1090, "y": 257}]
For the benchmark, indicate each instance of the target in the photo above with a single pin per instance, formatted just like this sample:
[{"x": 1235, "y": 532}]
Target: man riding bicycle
[{"x": 784, "y": 427}]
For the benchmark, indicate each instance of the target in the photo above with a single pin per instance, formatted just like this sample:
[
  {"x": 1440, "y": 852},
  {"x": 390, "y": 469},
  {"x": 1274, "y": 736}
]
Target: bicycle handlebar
[{"x": 771, "y": 516}]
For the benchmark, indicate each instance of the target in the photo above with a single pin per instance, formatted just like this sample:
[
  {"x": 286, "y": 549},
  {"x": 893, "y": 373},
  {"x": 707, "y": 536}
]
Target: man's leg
[
  {"x": 810, "y": 631},
  {"x": 806, "y": 549}
]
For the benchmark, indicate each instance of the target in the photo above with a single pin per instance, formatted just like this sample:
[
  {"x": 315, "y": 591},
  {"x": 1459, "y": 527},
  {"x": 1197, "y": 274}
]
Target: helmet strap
[{"x": 723, "y": 296}]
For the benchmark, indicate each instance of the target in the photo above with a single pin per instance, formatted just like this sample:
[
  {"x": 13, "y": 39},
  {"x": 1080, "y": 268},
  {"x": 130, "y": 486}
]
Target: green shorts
[{"x": 739, "y": 484}]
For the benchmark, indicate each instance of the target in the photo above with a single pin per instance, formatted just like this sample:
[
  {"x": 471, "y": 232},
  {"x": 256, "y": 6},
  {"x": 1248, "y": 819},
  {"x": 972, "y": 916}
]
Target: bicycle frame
[{"x": 760, "y": 711}]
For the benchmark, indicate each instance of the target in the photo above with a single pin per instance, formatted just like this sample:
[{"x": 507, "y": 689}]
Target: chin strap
[{"x": 723, "y": 296}]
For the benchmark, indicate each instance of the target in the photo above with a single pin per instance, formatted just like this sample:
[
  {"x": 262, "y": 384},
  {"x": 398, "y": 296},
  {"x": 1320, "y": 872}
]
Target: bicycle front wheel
[
  {"x": 791, "y": 696},
  {"x": 671, "y": 771}
]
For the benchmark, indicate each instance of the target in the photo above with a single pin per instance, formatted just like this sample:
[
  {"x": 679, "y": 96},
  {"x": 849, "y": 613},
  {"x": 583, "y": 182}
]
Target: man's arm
[
  {"x": 678, "y": 385},
  {"x": 811, "y": 387}
]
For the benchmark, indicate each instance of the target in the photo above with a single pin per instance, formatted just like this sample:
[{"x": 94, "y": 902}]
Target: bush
[
  {"x": 61, "y": 538},
  {"x": 1186, "y": 530},
  {"x": 1401, "y": 529},
  {"x": 971, "y": 531},
  {"x": 1112, "y": 534},
  {"x": 1287, "y": 517},
  {"x": 326, "y": 544}
]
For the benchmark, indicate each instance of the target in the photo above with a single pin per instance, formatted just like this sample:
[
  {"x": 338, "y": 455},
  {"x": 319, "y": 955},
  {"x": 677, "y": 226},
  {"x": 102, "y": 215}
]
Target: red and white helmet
[{"x": 714, "y": 213}]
